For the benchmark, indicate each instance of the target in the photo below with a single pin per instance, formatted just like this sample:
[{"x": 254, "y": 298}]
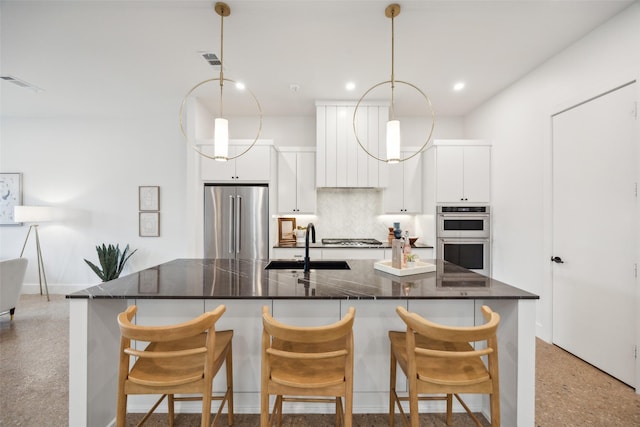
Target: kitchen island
[{"x": 183, "y": 288}]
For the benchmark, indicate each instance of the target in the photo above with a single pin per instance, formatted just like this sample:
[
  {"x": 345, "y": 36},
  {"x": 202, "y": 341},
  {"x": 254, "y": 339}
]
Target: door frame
[{"x": 544, "y": 326}]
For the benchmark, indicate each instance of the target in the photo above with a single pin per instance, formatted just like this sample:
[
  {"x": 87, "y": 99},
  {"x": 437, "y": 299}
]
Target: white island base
[{"x": 94, "y": 342}]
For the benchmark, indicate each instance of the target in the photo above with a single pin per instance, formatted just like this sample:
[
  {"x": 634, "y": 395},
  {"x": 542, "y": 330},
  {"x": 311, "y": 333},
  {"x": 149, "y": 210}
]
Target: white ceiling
[{"x": 116, "y": 58}]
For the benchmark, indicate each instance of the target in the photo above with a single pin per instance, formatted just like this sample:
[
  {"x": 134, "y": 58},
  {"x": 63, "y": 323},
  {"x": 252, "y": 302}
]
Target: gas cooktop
[{"x": 351, "y": 242}]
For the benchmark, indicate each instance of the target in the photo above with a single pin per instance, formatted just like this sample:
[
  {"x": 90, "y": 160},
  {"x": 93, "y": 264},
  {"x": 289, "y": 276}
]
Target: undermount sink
[{"x": 313, "y": 265}]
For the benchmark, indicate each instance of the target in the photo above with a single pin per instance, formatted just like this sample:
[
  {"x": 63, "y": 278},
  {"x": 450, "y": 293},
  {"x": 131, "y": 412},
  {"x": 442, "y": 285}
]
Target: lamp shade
[
  {"x": 32, "y": 213},
  {"x": 393, "y": 141},
  {"x": 221, "y": 139}
]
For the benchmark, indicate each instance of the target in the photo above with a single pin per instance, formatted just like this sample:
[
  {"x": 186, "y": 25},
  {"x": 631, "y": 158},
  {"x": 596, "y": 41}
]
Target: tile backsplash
[{"x": 356, "y": 213}]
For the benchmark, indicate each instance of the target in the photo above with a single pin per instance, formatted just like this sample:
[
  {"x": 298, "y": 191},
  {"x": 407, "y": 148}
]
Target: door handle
[
  {"x": 238, "y": 223},
  {"x": 231, "y": 223},
  {"x": 557, "y": 260}
]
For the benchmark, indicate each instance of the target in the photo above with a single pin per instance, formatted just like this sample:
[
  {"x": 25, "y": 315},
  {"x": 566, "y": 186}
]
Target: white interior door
[{"x": 594, "y": 231}]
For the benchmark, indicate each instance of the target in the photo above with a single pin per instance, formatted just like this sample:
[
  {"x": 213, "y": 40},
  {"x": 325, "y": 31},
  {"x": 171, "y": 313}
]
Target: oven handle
[
  {"x": 464, "y": 240},
  {"x": 460, "y": 216}
]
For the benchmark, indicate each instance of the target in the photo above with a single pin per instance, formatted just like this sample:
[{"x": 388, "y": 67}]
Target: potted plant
[
  {"x": 112, "y": 261},
  {"x": 411, "y": 260}
]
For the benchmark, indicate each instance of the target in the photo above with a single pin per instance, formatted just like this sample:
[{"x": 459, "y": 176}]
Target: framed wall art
[
  {"x": 286, "y": 231},
  {"x": 149, "y": 198},
  {"x": 10, "y": 196},
  {"x": 149, "y": 224}
]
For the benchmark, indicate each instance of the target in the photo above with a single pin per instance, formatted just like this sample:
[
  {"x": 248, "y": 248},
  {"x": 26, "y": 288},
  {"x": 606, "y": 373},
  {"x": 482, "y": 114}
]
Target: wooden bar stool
[
  {"x": 307, "y": 364},
  {"x": 179, "y": 359},
  {"x": 440, "y": 360}
]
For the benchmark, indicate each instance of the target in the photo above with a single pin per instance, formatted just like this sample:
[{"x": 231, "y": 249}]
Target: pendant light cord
[
  {"x": 393, "y": 84},
  {"x": 221, "y": 58}
]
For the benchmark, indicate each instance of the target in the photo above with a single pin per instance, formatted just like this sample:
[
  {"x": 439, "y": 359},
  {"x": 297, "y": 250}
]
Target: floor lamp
[{"x": 35, "y": 215}]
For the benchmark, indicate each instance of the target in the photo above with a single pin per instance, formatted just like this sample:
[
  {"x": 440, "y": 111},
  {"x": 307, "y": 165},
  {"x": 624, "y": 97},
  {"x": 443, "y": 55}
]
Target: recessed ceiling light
[
  {"x": 458, "y": 86},
  {"x": 350, "y": 86}
]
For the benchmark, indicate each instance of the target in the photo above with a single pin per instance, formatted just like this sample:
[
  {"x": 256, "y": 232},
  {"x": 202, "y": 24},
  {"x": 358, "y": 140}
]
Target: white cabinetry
[
  {"x": 296, "y": 182},
  {"x": 356, "y": 253},
  {"x": 253, "y": 166},
  {"x": 296, "y": 253},
  {"x": 340, "y": 161},
  {"x": 404, "y": 193},
  {"x": 458, "y": 172}
]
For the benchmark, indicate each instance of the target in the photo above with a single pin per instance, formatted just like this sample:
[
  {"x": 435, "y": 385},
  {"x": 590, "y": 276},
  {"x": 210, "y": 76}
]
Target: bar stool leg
[{"x": 392, "y": 390}]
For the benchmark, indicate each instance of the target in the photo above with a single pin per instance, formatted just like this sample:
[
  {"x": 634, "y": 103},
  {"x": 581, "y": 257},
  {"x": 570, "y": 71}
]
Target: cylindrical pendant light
[
  {"x": 393, "y": 125},
  {"x": 221, "y": 124},
  {"x": 393, "y": 141},
  {"x": 221, "y": 139}
]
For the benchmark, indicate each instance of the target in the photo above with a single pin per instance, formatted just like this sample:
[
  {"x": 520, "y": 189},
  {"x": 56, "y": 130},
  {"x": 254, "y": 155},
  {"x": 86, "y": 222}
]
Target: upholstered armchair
[{"x": 11, "y": 280}]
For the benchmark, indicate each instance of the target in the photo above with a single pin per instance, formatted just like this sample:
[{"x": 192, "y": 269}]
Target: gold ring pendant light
[
  {"x": 393, "y": 125},
  {"x": 221, "y": 129}
]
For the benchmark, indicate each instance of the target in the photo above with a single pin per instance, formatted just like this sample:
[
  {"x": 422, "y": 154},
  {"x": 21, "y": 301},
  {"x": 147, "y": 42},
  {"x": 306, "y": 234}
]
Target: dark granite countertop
[
  {"x": 384, "y": 245},
  {"x": 248, "y": 279}
]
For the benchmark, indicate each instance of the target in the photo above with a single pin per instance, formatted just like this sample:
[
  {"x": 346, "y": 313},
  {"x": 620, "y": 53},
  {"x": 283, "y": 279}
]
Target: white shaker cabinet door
[
  {"x": 252, "y": 166},
  {"x": 306, "y": 182},
  {"x": 477, "y": 174},
  {"x": 412, "y": 188},
  {"x": 296, "y": 253},
  {"x": 255, "y": 164},
  {"x": 287, "y": 177},
  {"x": 214, "y": 170},
  {"x": 244, "y": 317},
  {"x": 355, "y": 253},
  {"x": 463, "y": 174},
  {"x": 296, "y": 182},
  {"x": 449, "y": 174},
  {"x": 404, "y": 191}
]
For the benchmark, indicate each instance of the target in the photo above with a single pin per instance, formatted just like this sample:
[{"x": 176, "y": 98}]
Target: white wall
[
  {"x": 91, "y": 168},
  {"x": 517, "y": 122}
]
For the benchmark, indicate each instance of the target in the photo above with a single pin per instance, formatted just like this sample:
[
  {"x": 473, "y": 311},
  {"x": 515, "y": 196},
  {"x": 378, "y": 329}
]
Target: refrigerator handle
[
  {"x": 238, "y": 224},
  {"x": 231, "y": 224}
]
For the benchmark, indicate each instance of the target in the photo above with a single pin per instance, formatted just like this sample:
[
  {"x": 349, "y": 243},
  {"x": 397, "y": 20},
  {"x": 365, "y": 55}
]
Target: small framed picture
[
  {"x": 149, "y": 198},
  {"x": 149, "y": 224},
  {"x": 286, "y": 231},
  {"x": 10, "y": 196},
  {"x": 148, "y": 281}
]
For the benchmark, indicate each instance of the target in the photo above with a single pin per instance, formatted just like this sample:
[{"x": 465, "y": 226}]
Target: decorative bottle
[
  {"x": 397, "y": 232},
  {"x": 406, "y": 248}
]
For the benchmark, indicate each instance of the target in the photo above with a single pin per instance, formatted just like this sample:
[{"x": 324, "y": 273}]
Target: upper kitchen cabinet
[
  {"x": 459, "y": 172},
  {"x": 253, "y": 166},
  {"x": 296, "y": 182},
  {"x": 340, "y": 161},
  {"x": 404, "y": 192}
]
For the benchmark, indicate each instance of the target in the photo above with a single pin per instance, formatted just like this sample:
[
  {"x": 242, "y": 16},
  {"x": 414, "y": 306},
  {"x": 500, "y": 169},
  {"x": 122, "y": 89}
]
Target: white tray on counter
[{"x": 421, "y": 267}]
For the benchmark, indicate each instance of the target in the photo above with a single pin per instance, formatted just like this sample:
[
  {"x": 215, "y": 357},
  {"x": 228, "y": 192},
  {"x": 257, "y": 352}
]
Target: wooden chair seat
[
  {"x": 172, "y": 371},
  {"x": 308, "y": 374},
  {"x": 438, "y": 370}
]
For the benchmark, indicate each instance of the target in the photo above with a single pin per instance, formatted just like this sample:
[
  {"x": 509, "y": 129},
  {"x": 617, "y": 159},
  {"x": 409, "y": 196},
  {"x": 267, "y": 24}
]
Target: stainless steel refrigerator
[{"x": 236, "y": 221}]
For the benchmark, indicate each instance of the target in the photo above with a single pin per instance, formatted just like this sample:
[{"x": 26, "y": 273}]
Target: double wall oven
[{"x": 464, "y": 237}]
